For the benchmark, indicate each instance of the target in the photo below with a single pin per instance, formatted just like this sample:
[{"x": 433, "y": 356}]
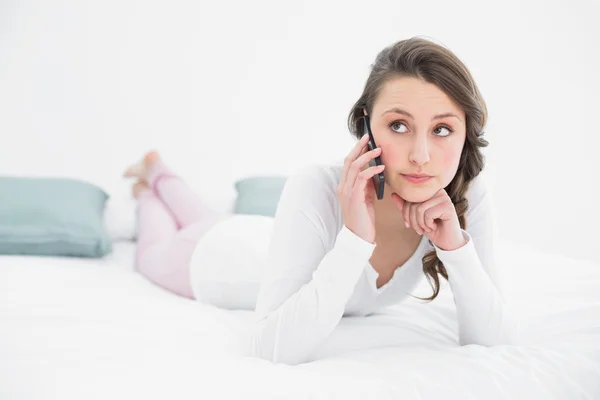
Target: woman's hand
[
  {"x": 356, "y": 191},
  {"x": 436, "y": 218}
]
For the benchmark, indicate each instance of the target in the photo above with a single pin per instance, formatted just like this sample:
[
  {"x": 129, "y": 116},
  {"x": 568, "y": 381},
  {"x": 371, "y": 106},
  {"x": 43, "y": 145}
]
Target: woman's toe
[
  {"x": 139, "y": 187},
  {"x": 151, "y": 158},
  {"x": 134, "y": 171}
]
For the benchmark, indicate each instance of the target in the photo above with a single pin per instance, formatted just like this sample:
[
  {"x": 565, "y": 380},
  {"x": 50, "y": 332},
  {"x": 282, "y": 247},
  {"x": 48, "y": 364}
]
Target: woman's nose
[{"x": 419, "y": 153}]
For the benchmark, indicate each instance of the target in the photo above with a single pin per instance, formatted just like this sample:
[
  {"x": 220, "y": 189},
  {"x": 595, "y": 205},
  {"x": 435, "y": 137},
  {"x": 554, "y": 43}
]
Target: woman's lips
[{"x": 413, "y": 179}]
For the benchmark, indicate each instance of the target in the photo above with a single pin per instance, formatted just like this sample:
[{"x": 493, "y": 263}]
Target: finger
[
  {"x": 429, "y": 221},
  {"x": 365, "y": 176},
  {"x": 364, "y": 150},
  {"x": 434, "y": 214},
  {"x": 441, "y": 212},
  {"x": 406, "y": 213},
  {"x": 413, "y": 220},
  {"x": 358, "y": 165},
  {"x": 420, "y": 216},
  {"x": 422, "y": 211},
  {"x": 359, "y": 148},
  {"x": 442, "y": 193}
]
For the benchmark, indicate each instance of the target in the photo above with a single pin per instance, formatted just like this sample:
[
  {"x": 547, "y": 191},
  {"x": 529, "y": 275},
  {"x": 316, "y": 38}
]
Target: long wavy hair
[{"x": 433, "y": 63}]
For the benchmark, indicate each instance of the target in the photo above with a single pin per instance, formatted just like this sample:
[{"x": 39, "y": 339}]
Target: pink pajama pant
[{"x": 171, "y": 218}]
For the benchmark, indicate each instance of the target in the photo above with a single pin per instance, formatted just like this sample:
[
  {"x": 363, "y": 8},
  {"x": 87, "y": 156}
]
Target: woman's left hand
[{"x": 436, "y": 218}]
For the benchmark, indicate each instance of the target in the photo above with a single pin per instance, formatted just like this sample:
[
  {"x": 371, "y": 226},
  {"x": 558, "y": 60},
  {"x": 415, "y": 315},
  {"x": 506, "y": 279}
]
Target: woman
[{"x": 336, "y": 250}]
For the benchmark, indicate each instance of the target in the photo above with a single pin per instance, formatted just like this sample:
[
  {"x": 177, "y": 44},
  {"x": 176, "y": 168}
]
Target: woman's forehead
[{"x": 415, "y": 99}]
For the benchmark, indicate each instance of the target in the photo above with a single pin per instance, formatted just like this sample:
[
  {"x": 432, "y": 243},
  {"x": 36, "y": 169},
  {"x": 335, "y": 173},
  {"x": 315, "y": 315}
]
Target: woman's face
[{"x": 420, "y": 131}]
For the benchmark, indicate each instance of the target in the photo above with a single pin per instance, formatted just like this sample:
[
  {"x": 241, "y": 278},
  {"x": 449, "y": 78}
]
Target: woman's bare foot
[
  {"x": 140, "y": 170},
  {"x": 139, "y": 187}
]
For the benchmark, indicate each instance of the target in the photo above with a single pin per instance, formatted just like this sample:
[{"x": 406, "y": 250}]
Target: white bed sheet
[{"x": 74, "y": 328}]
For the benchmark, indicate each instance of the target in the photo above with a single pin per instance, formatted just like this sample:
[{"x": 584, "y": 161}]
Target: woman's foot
[
  {"x": 140, "y": 170},
  {"x": 139, "y": 187}
]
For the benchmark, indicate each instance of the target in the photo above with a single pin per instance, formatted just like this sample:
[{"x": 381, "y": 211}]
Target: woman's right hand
[{"x": 356, "y": 191}]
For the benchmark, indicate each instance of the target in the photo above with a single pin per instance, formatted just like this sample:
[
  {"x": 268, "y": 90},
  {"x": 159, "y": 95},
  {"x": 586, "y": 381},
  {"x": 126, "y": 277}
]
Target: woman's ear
[{"x": 364, "y": 111}]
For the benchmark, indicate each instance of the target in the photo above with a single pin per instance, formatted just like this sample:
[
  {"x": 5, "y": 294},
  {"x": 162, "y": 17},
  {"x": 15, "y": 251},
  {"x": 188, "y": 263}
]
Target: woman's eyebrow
[{"x": 409, "y": 115}]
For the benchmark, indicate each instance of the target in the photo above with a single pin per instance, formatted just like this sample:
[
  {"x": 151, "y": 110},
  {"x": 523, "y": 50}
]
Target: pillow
[
  {"x": 120, "y": 217},
  {"x": 258, "y": 195},
  {"x": 52, "y": 217}
]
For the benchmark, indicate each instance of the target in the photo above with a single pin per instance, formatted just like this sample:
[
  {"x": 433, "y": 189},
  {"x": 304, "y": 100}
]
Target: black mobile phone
[{"x": 378, "y": 179}]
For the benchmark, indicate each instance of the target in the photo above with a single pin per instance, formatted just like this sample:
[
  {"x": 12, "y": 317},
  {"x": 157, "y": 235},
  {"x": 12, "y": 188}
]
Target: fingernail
[{"x": 406, "y": 224}]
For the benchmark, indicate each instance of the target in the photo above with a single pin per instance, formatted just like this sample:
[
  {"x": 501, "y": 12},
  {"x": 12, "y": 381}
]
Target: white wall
[{"x": 231, "y": 89}]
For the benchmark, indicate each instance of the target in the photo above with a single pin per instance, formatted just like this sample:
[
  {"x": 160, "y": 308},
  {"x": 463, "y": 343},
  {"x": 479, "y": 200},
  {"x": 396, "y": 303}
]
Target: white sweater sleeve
[
  {"x": 473, "y": 276},
  {"x": 306, "y": 284}
]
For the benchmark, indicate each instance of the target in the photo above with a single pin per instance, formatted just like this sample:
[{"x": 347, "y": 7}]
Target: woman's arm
[
  {"x": 307, "y": 282},
  {"x": 473, "y": 276}
]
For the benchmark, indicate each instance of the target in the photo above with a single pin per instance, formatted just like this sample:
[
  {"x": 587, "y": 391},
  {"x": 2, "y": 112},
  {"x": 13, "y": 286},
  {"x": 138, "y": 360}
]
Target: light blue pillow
[
  {"x": 52, "y": 217},
  {"x": 259, "y": 195}
]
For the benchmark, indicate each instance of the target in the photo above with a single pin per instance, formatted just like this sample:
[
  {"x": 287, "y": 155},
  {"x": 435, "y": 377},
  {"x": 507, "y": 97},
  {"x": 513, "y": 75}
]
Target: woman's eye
[
  {"x": 443, "y": 127},
  {"x": 395, "y": 126}
]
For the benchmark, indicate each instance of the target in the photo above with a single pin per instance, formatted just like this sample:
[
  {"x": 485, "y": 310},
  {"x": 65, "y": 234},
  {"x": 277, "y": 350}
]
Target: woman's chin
[{"x": 415, "y": 194}]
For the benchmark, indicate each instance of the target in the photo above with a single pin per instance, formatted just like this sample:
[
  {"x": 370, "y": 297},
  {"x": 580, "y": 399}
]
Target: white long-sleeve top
[{"x": 318, "y": 271}]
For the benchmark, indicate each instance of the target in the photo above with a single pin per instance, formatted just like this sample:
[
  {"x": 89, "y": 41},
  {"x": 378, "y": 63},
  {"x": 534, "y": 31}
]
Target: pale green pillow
[
  {"x": 259, "y": 195},
  {"x": 52, "y": 217}
]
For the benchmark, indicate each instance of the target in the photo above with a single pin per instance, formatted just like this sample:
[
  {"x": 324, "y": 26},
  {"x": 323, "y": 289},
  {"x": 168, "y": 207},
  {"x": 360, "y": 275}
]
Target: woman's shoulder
[
  {"x": 478, "y": 188},
  {"x": 311, "y": 191},
  {"x": 479, "y": 197},
  {"x": 316, "y": 176}
]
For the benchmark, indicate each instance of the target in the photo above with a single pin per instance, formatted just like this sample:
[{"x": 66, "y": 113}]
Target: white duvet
[{"x": 73, "y": 328}]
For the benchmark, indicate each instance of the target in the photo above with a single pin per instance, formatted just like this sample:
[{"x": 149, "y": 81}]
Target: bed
[{"x": 74, "y": 328}]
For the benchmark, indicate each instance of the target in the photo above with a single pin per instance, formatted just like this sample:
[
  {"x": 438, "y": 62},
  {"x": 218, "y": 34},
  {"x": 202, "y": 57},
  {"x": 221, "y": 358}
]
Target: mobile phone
[{"x": 378, "y": 179}]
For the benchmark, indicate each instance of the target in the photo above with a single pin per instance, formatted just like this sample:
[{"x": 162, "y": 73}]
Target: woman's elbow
[
  {"x": 268, "y": 347},
  {"x": 257, "y": 347}
]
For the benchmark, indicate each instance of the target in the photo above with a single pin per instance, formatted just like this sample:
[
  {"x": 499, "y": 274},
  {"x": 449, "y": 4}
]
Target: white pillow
[
  {"x": 120, "y": 217},
  {"x": 227, "y": 266}
]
